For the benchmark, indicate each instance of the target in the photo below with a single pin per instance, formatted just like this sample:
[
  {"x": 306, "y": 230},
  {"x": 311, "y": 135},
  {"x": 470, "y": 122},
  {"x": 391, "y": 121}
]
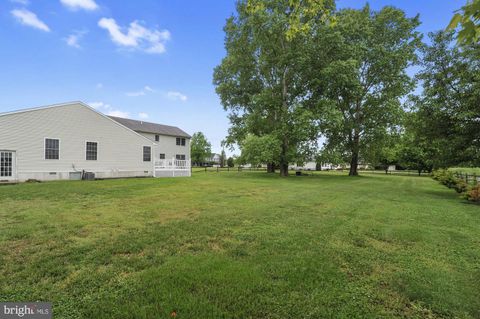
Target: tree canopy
[
  {"x": 448, "y": 109},
  {"x": 258, "y": 80},
  {"x": 201, "y": 148},
  {"x": 298, "y": 70},
  {"x": 468, "y": 18},
  {"x": 360, "y": 78}
]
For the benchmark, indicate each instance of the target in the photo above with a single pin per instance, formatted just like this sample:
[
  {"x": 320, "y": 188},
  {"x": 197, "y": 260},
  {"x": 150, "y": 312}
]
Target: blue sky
[{"x": 144, "y": 59}]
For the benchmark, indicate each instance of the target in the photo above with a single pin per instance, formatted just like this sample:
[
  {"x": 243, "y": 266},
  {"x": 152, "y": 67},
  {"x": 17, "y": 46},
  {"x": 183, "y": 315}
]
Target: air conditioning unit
[{"x": 88, "y": 176}]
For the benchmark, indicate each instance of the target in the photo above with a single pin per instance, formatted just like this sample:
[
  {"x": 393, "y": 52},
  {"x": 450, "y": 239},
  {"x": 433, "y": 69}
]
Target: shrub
[
  {"x": 438, "y": 173},
  {"x": 474, "y": 194},
  {"x": 447, "y": 178},
  {"x": 461, "y": 186}
]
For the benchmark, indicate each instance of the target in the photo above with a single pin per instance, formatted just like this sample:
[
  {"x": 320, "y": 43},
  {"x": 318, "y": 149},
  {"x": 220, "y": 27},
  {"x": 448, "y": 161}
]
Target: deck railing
[{"x": 172, "y": 167}]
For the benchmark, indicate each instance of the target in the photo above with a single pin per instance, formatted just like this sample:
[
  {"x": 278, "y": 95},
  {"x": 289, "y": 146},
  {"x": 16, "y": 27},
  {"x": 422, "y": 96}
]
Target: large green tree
[
  {"x": 358, "y": 76},
  {"x": 468, "y": 18},
  {"x": 448, "y": 110},
  {"x": 200, "y": 148},
  {"x": 258, "y": 81}
]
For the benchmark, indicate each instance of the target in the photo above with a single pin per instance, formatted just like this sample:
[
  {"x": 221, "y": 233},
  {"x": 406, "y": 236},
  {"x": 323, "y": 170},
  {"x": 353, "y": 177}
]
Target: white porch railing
[{"x": 172, "y": 167}]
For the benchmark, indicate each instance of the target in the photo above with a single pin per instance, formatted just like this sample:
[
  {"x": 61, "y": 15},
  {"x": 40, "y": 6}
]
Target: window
[
  {"x": 181, "y": 141},
  {"x": 180, "y": 157},
  {"x": 157, "y": 138},
  {"x": 6, "y": 164},
  {"x": 147, "y": 154},
  {"x": 91, "y": 151},
  {"x": 162, "y": 156},
  {"x": 52, "y": 148}
]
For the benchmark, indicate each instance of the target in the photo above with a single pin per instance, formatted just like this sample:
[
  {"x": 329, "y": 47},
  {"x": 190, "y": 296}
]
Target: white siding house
[{"x": 62, "y": 140}]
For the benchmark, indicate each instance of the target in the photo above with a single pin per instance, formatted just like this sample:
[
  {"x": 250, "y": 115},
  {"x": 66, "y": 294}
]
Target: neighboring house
[
  {"x": 307, "y": 166},
  {"x": 214, "y": 159},
  {"x": 64, "y": 140}
]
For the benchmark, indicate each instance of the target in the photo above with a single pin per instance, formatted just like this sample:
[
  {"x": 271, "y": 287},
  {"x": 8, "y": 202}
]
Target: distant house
[
  {"x": 215, "y": 159},
  {"x": 64, "y": 141}
]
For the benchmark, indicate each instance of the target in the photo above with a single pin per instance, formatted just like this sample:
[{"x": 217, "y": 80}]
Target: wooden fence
[
  {"x": 196, "y": 169},
  {"x": 397, "y": 172},
  {"x": 468, "y": 178}
]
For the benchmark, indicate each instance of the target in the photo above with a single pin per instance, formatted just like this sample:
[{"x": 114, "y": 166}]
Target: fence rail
[
  {"x": 397, "y": 172},
  {"x": 468, "y": 178},
  {"x": 196, "y": 169},
  {"x": 226, "y": 169}
]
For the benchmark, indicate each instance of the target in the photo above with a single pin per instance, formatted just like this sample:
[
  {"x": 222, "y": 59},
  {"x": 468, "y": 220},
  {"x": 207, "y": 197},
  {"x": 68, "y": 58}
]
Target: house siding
[
  {"x": 120, "y": 150},
  {"x": 167, "y": 145}
]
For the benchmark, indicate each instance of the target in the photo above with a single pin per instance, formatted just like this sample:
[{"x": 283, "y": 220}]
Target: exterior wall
[
  {"x": 120, "y": 150},
  {"x": 308, "y": 166},
  {"x": 168, "y": 146}
]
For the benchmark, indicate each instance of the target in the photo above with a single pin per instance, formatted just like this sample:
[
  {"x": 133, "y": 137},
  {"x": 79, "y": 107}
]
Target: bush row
[{"x": 448, "y": 178}]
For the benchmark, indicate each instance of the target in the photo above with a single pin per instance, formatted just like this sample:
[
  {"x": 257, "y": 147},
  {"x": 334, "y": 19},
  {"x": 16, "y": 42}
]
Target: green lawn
[
  {"x": 242, "y": 245},
  {"x": 466, "y": 170}
]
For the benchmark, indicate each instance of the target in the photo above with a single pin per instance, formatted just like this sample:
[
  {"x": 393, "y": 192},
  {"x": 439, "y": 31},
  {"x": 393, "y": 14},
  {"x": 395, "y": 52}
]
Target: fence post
[
  {"x": 205, "y": 169},
  {"x": 217, "y": 169}
]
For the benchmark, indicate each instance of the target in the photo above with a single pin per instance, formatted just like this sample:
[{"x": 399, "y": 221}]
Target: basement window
[
  {"x": 147, "y": 154},
  {"x": 91, "y": 151},
  {"x": 180, "y": 157},
  {"x": 52, "y": 148},
  {"x": 162, "y": 156}
]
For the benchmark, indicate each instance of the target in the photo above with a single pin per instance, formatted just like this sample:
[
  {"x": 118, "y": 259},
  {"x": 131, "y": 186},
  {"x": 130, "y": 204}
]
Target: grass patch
[
  {"x": 466, "y": 170},
  {"x": 242, "y": 245}
]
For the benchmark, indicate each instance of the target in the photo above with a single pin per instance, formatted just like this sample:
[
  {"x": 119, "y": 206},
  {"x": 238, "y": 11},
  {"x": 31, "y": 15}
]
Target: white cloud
[
  {"x": 118, "y": 113},
  {"x": 99, "y": 105},
  {"x": 142, "y": 92},
  {"x": 176, "y": 96},
  {"x": 89, "y": 5},
  {"x": 108, "y": 109},
  {"x": 143, "y": 115},
  {"x": 73, "y": 39},
  {"x": 136, "y": 36},
  {"x": 23, "y": 2},
  {"x": 29, "y": 18},
  {"x": 137, "y": 93}
]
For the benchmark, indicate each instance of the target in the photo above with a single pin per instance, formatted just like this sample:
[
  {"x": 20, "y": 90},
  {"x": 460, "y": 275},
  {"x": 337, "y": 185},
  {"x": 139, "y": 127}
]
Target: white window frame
[
  {"x": 143, "y": 153},
  {"x": 14, "y": 166},
  {"x": 88, "y": 141},
  {"x": 182, "y": 139},
  {"x": 45, "y": 148}
]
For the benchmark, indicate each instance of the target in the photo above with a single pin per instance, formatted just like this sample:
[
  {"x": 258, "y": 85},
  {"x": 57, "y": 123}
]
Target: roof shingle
[{"x": 147, "y": 127}]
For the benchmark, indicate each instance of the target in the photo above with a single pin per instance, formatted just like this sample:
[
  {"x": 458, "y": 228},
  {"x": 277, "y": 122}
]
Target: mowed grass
[
  {"x": 466, "y": 170},
  {"x": 242, "y": 245}
]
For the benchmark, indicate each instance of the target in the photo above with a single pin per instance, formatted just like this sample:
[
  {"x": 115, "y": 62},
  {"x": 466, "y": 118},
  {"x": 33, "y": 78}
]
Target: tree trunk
[
  {"x": 284, "y": 169},
  {"x": 270, "y": 167},
  {"x": 355, "y": 151},
  {"x": 284, "y": 151}
]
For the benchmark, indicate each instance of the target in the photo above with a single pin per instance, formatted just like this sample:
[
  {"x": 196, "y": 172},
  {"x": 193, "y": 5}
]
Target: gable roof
[
  {"x": 148, "y": 127},
  {"x": 66, "y": 104}
]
